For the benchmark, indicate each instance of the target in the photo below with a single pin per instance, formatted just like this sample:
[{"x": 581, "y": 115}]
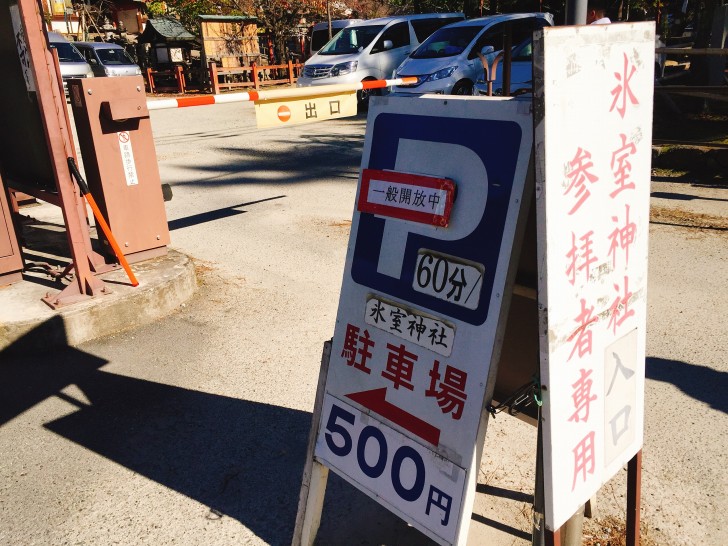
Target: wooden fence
[
  {"x": 254, "y": 76},
  {"x": 225, "y": 79},
  {"x": 166, "y": 75}
]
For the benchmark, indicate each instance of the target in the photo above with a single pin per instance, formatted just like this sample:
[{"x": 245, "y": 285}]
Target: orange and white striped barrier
[
  {"x": 278, "y": 107},
  {"x": 276, "y": 94}
]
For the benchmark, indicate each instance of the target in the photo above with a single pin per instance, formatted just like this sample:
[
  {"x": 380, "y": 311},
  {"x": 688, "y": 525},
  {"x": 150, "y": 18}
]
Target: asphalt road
[{"x": 193, "y": 430}]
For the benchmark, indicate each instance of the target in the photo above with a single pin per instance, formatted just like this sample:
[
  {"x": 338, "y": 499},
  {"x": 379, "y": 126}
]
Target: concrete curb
[{"x": 165, "y": 283}]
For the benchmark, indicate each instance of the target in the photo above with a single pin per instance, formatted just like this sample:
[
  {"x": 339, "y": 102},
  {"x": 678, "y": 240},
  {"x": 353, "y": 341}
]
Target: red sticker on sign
[
  {"x": 414, "y": 197},
  {"x": 284, "y": 113}
]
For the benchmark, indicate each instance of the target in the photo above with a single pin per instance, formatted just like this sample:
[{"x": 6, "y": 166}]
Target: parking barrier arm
[{"x": 296, "y": 92}]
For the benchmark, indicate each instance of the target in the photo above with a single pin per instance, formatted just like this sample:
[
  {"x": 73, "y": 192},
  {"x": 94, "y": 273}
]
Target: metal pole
[
  {"x": 572, "y": 530},
  {"x": 507, "y": 43},
  {"x": 538, "y": 535},
  {"x": 576, "y": 12},
  {"x": 634, "y": 496}
]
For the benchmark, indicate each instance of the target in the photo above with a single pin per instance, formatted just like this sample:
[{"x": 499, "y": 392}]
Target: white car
[
  {"x": 521, "y": 72},
  {"x": 371, "y": 50},
  {"x": 448, "y": 63}
]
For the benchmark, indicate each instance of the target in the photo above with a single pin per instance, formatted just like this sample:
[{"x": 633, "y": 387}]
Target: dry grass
[
  {"x": 611, "y": 531},
  {"x": 202, "y": 270},
  {"x": 684, "y": 218},
  {"x": 346, "y": 224}
]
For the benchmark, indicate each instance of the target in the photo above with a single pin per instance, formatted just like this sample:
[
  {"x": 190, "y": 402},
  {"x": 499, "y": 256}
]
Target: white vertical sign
[
  {"x": 593, "y": 190},
  {"x": 127, "y": 158}
]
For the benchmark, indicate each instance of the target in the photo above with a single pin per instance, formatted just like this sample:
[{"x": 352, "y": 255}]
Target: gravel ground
[{"x": 193, "y": 430}]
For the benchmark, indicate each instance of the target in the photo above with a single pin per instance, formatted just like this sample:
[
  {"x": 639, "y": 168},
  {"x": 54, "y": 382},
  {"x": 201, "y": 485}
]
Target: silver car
[
  {"x": 71, "y": 62},
  {"x": 108, "y": 59},
  {"x": 448, "y": 62},
  {"x": 521, "y": 72}
]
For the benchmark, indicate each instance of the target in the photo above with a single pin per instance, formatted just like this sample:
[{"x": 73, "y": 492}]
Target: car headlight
[
  {"x": 138, "y": 71},
  {"x": 441, "y": 74},
  {"x": 343, "y": 68}
]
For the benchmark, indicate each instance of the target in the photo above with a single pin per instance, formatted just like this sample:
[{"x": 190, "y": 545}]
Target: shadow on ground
[
  {"x": 217, "y": 214},
  {"x": 318, "y": 156},
  {"x": 699, "y": 382},
  {"x": 683, "y": 196},
  {"x": 242, "y": 459}
]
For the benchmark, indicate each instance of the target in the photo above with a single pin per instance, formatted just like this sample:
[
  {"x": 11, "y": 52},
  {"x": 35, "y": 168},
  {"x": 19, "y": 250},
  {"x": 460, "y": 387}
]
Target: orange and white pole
[{"x": 276, "y": 94}]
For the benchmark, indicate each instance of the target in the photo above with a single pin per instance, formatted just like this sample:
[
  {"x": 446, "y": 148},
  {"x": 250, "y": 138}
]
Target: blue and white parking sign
[
  {"x": 484, "y": 151},
  {"x": 421, "y": 305}
]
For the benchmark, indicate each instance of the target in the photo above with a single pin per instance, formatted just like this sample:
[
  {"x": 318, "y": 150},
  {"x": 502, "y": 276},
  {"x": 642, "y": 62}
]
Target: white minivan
[
  {"x": 371, "y": 50},
  {"x": 320, "y": 32},
  {"x": 106, "y": 59},
  {"x": 448, "y": 63}
]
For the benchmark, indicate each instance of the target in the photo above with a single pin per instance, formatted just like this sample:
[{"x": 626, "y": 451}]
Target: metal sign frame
[{"x": 40, "y": 70}]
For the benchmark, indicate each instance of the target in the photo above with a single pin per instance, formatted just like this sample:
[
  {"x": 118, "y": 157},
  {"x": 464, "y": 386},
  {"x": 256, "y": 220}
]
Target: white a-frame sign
[{"x": 423, "y": 303}]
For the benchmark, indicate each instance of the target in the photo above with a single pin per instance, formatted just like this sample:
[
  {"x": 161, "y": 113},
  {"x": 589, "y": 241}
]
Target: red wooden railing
[{"x": 254, "y": 76}]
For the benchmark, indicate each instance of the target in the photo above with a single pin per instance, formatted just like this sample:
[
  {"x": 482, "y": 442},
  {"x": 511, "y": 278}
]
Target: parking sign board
[
  {"x": 421, "y": 304},
  {"x": 593, "y": 210}
]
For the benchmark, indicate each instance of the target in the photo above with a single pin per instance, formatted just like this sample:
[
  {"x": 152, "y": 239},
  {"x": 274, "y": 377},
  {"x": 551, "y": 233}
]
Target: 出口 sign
[
  {"x": 421, "y": 304},
  {"x": 293, "y": 110},
  {"x": 593, "y": 147}
]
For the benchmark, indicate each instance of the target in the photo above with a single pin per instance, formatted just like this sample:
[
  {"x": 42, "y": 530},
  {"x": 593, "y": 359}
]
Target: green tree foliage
[
  {"x": 156, "y": 8},
  {"x": 399, "y": 7},
  {"x": 189, "y": 10},
  {"x": 281, "y": 18}
]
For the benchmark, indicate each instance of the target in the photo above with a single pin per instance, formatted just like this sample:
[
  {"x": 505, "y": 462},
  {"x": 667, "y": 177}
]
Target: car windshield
[
  {"x": 320, "y": 37},
  {"x": 67, "y": 53},
  {"x": 351, "y": 40},
  {"x": 523, "y": 51},
  {"x": 446, "y": 42},
  {"x": 114, "y": 56}
]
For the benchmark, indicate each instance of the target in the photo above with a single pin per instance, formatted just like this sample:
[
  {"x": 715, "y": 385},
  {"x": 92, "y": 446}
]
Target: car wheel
[
  {"x": 362, "y": 98},
  {"x": 463, "y": 87}
]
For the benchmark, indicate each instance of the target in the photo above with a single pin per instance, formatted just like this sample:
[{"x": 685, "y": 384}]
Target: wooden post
[
  {"x": 634, "y": 496},
  {"x": 179, "y": 75},
  {"x": 315, "y": 475},
  {"x": 256, "y": 83},
  {"x": 214, "y": 83},
  {"x": 290, "y": 72},
  {"x": 150, "y": 79}
]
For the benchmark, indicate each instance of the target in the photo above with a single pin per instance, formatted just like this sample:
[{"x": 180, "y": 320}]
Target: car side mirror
[{"x": 387, "y": 44}]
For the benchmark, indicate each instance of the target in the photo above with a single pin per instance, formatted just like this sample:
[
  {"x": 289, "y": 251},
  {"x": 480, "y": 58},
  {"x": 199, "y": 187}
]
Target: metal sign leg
[
  {"x": 634, "y": 496},
  {"x": 315, "y": 475},
  {"x": 538, "y": 534}
]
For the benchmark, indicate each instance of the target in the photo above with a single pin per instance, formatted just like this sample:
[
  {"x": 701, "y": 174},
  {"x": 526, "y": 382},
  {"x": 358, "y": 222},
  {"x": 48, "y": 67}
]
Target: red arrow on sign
[{"x": 375, "y": 400}]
